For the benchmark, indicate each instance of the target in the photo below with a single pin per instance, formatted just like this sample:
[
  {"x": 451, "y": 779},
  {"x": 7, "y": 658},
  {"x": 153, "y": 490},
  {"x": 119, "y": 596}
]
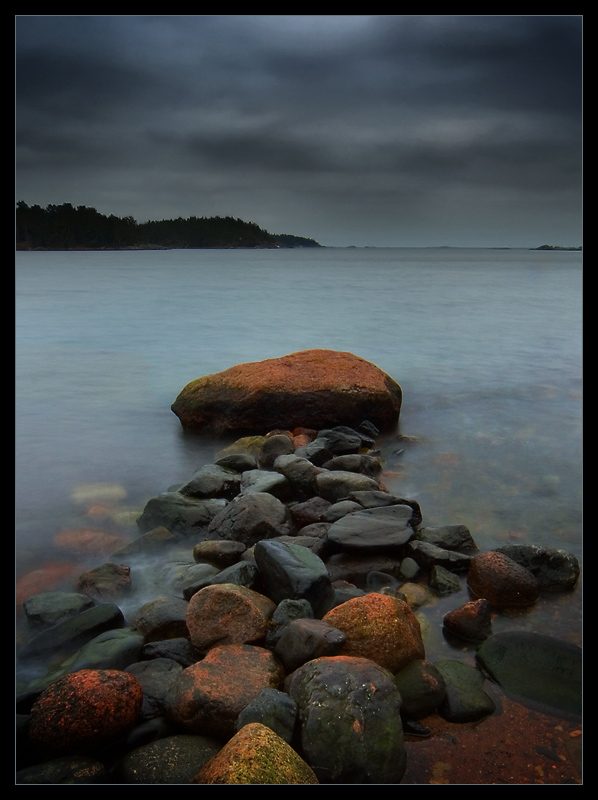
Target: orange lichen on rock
[{"x": 312, "y": 388}]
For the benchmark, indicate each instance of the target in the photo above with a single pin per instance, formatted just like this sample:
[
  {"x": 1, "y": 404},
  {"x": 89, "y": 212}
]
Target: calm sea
[{"x": 486, "y": 344}]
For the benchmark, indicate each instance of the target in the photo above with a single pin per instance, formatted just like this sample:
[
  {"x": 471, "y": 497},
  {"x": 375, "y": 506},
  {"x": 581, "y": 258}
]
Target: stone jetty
[{"x": 264, "y": 628}]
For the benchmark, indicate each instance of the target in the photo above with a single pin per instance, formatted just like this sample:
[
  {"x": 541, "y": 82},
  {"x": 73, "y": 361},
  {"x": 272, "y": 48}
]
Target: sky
[{"x": 353, "y": 130}]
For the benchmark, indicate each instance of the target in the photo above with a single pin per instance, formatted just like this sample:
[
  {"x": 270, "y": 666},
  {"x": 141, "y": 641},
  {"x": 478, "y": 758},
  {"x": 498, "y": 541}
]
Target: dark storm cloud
[{"x": 335, "y": 127}]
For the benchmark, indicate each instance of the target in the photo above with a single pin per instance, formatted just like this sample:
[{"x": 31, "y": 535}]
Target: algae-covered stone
[{"x": 256, "y": 755}]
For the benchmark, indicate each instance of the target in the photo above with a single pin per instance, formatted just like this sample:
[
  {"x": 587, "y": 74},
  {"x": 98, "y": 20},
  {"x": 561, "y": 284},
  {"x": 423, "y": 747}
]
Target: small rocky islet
[{"x": 267, "y": 626}]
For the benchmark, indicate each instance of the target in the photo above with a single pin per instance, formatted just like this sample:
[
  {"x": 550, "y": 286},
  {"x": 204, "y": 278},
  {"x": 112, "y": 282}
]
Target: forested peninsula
[{"x": 66, "y": 227}]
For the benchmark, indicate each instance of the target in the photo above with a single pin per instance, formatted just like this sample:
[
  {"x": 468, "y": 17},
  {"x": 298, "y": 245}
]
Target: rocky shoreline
[{"x": 267, "y": 626}]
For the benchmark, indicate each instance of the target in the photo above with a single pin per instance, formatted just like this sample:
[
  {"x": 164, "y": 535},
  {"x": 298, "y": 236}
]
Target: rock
[
  {"x": 373, "y": 530},
  {"x": 501, "y": 581},
  {"x": 535, "y": 667},
  {"x": 261, "y": 480},
  {"x": 422, "y": 689},
  {"x": 180, "y": 650},
  {"x": 274, "y": 446},
  {"x": 208, "y": 696},
  {"x": 301, "y": 473},
  {"x": 50, "y": 608},
  {"x": 238, "y": 462},
  {"x": 72, "y": 633},
  {"x": 84, "y": 710},
  {"x": 465, "y": 698},
  {"x": 250, "y": 518},
  {"x": 350, "y": 721},
  {"x": 212, "y": 480},
  {"x": 106, "y": 583},
  {"x": 555, "y": 570},
  {"x": 172, "y": 760},
  {"x": 311, "y": 388},
  {"x": 256, "y": 755},
  {"x": 449, "y": 537},
  {"x": 290, "y": 571},
  {"x": 379, "y": 627},
  {"x": 338, "y": 510},
  {"x": 67, "y": 770},
  {"x": 309, "y": 511},
  {"x": 150, "y": 543},
  {"x": 227, "y": 614},
  {"x": 471, "y": 621},
  {"x": 88, "y": 541},
  {"x": 305, "y": 639},
  {"x": 356, "y": 462},
  {"x": 156, "y": 678},
  {"x": 338, "y": 485},
  {"x": 354, "y": 567},
  {"x": 223, "y": 553},
  {"x": 179, "y": 513},
  {"x": 443, "y": 581},
  {"x": 286, "y": 611},
  {"x": 162, "y": 618},
  {"x": 243, "y": 573},
  {"x": 429, "y": 555},
  {"x": 272, "y": 708}
]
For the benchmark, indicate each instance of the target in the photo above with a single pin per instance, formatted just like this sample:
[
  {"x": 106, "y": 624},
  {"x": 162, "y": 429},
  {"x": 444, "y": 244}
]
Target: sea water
[{"x": 485, "y": 343}]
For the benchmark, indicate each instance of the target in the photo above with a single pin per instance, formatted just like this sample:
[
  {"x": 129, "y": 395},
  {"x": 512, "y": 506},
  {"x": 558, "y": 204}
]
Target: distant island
[
  {"x": 554, "y": 247},
  {"x": 65, "y": 227}
]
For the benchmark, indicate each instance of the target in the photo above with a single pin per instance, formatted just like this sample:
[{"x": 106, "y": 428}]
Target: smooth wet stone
[
  {"x": 430, "y": 555},
  {"x": 356, "y": 462},
  {"x": 72, "y": 633},
  {"x": 274, "y": 446},
  {"x": 535, "y": 667},
  {"x": 66, "y": 771},
  {"x": 338, "y": 485},
  {"x": 273, "y": 708},
  {"x": 449, "y": 537},
  {"x": 249, "y": 518},
  {"x": 305, "y": 639},
  {"x": 443, "y": 581},
  {"x": 261, "y": 480},
  {"x": 465, "y": 698},
  {"x": 294, "y": 572},
  {"x": 372, "y": 530},
  {"x": 349, "y": 712},
  {"x": 223, "y": 553},
  {"x": 50, "y": 608},
  {"x": 161, "y": 618},
  {"x": 179, "y": 513},
  {"x": 422, "y": 689}
]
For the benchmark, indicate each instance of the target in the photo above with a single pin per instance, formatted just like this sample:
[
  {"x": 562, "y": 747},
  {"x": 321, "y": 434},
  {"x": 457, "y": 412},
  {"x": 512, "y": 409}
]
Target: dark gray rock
[
  {"x": 171, "y": 760},
  {"x": 161, "y": 618},
  {"x": 272, "y": 708},
  {"x": 422, "y": 689},
  {"x": 535, "y": 667},
  {"x": 341, "y": 440},
  {"x": 212, "y": 480},
  {"x": 317, "y": 452},
  {"x": 65, "y": 771},
  {"x": 301, "y": 473},
  {"x": 250, "y": 518},
  {"x": 50, "y": 608},
  {"x": 372, "y": 530},
  {"x": 349, "y": 711},
  {"x": 430, "y": 555},
  {"x": 339, "y": 484},
  {"x": 276, "y": 445},
  {"x": 156, "y": 678},
  {"x": 220, "y": 552},
  {"x": 449, "y": 537},
  {"x": 286, "y": 611},
  {"x": 356, "y": 462},
  {"x": 302, "y": 640},
  {"x": 293, "y": 572},
  {"x": 179, "y": 513},
  {"x": 465, "y": 699},
  {"x": 243, "y": 573},
  {"x": 178, "y": 649},
  {"x": 237, "y": 462},
  {"x": 262, "y": 480},
  {"x": 72, "y": 633},
  {"x": 443, "y": 581}
]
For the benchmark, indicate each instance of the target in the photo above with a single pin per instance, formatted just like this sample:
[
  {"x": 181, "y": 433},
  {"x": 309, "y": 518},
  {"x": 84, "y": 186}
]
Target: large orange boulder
[{"x": 311, "y": 388}]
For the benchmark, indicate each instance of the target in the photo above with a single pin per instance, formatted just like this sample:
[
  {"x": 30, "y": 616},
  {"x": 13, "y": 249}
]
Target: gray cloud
[{"x": 384, "y": 129}]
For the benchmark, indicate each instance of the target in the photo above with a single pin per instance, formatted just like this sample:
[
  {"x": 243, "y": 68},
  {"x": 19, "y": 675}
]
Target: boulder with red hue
[
  {"x": 227, "y": 614},
  {"x": 501, "y": 581},
  {"x": 472, "y": 621},
  {"x": 84, "y": 710},
  {"x": 380, "y": 627},
  {"x": 208, "y": 696},
  {"x": 311, "y": 388}
]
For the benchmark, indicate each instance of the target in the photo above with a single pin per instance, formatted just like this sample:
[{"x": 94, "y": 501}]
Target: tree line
[{"x": 66, "y": 227}]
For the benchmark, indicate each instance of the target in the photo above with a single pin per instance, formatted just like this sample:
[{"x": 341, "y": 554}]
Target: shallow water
[{"x": 486, "y": 344}]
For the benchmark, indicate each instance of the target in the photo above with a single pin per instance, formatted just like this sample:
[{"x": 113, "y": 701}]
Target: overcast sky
[{"x": 384, "y": 130}]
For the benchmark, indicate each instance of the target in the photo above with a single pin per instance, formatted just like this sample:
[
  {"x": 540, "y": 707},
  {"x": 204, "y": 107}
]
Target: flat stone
[{"x": 372, "y": 530}]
